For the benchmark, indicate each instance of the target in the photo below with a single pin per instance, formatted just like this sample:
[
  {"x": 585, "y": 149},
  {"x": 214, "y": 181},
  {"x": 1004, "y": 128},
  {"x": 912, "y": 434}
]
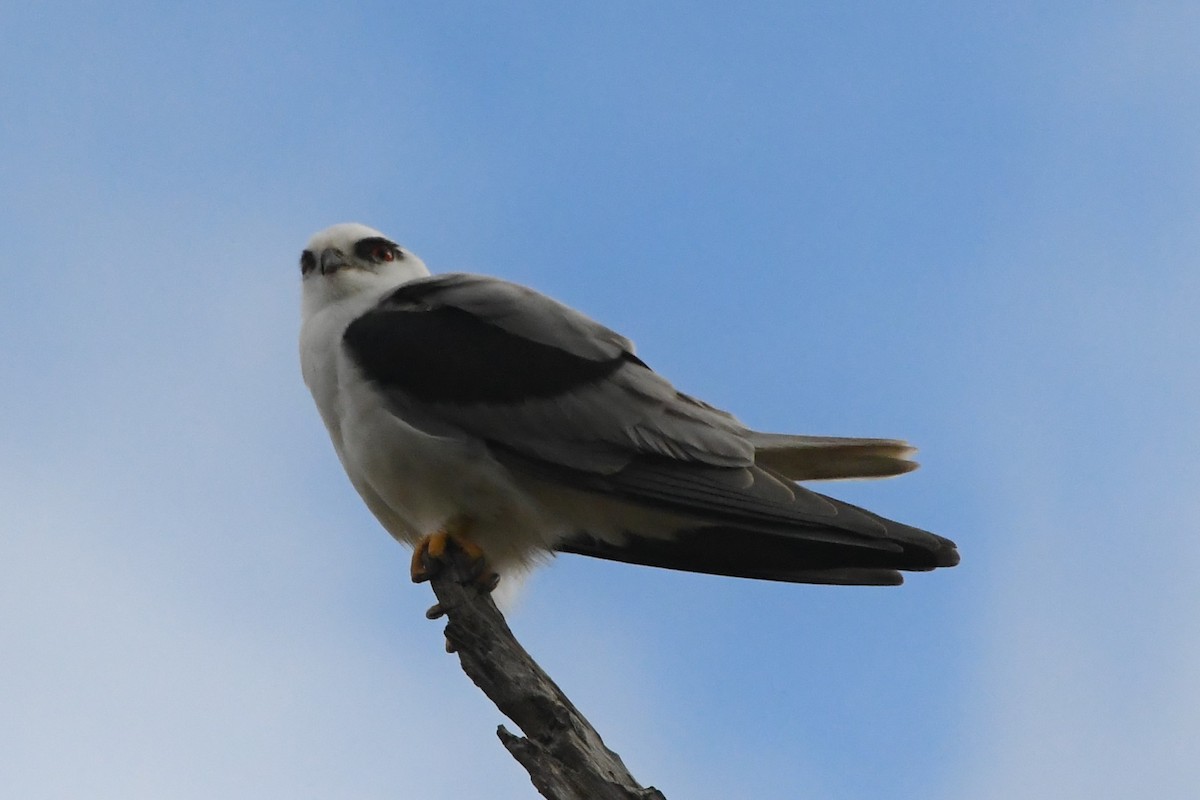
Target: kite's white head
[{"x": 351, "y": 259}]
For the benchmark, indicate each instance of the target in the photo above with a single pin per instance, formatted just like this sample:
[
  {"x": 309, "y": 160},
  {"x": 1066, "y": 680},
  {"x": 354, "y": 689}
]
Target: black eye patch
[
  {"x": 308, "y": 262},
  {"x": 369, "y": 248}
]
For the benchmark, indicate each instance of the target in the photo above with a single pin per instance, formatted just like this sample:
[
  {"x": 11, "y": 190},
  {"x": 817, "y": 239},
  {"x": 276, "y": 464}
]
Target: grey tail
[{"x": 823, "y": 458}]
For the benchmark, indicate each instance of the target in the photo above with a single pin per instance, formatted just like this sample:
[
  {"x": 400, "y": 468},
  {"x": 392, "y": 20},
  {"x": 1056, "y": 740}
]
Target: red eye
[{"x": 382, "y": 252}]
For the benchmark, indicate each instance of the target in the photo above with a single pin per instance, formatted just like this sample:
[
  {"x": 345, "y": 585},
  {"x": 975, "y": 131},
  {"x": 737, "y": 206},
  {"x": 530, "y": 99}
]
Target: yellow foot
[{"x": 432, "y": 551}]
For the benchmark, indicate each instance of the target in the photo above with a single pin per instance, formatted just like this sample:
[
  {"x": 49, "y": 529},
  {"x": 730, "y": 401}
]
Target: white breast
[{"x": 412, "y": 481}]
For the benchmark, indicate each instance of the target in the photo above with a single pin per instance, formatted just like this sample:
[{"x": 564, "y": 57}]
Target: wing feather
[
  {"x": 564, "y": 399},
  {"x": 515, "y": 368}
]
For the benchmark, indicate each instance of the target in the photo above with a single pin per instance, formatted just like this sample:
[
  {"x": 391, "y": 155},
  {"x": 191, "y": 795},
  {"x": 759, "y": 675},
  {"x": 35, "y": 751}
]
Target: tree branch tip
[{"x": 563, "y": 754}]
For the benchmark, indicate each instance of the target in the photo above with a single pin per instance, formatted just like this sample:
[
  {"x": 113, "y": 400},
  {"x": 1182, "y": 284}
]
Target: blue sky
[{"x": 975, "y": 228}]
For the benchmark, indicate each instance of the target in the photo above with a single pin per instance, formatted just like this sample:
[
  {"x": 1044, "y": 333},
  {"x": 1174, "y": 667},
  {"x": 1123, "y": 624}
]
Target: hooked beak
[{"x": 331, "y": 260}]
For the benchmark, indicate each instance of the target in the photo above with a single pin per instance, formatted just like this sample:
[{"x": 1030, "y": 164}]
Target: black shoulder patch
[
  {"x": 412, "y": 293},
  {"x": 448, "y": 355}
]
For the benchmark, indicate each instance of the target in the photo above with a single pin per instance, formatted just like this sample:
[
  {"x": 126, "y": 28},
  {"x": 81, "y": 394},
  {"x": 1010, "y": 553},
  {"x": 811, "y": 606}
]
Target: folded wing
[{"x": 559, "y": 396}]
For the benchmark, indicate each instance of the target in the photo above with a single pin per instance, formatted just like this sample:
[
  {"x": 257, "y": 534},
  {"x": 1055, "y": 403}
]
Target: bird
[{"x": 476, "y": 415}]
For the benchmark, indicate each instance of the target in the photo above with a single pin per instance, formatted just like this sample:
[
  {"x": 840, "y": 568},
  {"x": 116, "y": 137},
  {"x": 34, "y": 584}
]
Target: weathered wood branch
[{"x": 564, "y": 756}]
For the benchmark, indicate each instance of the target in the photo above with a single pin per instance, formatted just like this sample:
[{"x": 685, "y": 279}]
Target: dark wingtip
[{"x": 947, "y": 554}]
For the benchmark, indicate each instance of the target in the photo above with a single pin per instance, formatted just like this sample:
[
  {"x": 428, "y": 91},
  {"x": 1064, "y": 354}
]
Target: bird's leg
[{"x": 433, "y": 550}]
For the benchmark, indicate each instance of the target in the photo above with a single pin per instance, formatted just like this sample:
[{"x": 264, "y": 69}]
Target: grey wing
[
  {"x": 557, "y": 395},
  {"x": 520, "y": 370}
]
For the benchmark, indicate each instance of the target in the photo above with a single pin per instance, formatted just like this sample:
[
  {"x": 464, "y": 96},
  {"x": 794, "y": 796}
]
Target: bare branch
[{"x": 565, "y": 757}]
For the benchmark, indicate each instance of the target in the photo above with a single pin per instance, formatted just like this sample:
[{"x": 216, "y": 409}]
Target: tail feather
[{"x": 823, "y": 458}]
